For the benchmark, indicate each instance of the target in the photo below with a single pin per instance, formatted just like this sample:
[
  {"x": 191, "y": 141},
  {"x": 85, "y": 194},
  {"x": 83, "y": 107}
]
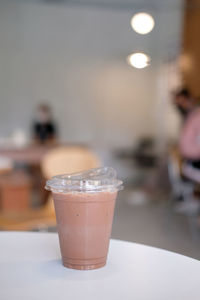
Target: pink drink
[{"x": 84, "y": 205}]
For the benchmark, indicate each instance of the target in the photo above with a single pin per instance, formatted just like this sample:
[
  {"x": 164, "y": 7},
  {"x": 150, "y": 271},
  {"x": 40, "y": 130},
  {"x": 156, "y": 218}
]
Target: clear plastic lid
[{"x": 93, "y": 180}]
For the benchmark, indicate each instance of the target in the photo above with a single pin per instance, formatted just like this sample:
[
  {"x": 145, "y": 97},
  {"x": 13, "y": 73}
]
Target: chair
[
  {"x": 180, "y": 188},
  {"x": 6, "y": 165},
  {"x": 68, "y": 160},
  {"x": 15, "y": 191},
  {"x": 59, "y": 160}
]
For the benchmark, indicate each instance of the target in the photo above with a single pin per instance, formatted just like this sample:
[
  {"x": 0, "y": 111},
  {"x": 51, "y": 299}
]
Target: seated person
[
  {"x": 184, "y": 102},
  {"x": 189, "y": 148},
  {"x": 190, "y": 135},
  {"x": 44, "y": 129},
  {"x": 190, "y": 145}
]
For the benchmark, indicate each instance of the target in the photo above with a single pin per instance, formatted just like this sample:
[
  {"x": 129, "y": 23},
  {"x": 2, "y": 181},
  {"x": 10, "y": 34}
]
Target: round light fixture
[
  {"x": 142, "y": 23},
  {"x": 138, "y": 60}
]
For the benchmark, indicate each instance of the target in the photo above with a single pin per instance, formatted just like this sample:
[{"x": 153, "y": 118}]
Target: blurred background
[{"x": 85, "y": 83}]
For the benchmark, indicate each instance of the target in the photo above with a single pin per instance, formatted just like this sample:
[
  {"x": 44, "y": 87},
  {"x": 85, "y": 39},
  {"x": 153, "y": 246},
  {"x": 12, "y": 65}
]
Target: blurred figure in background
[
  {"x": 190, "y": 145},
  {"x": 189, "y": 149},
  {"x": 190, "y": 135},
  {"x": 184, "y": 102},
  {"x": 44, "y": 129}
]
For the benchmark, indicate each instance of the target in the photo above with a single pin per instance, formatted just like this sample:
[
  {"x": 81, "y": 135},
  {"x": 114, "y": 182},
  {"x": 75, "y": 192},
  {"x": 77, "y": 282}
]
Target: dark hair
[{"x": 183, "y": 93}]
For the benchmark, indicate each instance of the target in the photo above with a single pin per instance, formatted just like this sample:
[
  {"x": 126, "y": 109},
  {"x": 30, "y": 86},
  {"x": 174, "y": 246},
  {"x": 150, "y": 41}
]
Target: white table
[{"x": 30, "y": 268}]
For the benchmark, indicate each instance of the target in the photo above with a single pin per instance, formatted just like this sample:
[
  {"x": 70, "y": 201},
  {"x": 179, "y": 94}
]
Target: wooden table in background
[{"x": 29, "y": 155}]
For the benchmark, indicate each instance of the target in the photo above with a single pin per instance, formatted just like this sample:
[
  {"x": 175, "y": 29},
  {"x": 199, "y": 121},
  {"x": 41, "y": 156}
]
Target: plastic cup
[{"x": 84, "y": 205}]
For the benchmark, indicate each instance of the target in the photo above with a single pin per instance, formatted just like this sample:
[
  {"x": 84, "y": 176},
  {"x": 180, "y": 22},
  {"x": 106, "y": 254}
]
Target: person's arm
[{"x": 190, "y": 137}]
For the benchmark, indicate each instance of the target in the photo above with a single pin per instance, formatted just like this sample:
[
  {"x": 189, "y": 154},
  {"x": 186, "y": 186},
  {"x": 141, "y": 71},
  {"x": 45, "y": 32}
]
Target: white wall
[{"x": 76, "y": 58}]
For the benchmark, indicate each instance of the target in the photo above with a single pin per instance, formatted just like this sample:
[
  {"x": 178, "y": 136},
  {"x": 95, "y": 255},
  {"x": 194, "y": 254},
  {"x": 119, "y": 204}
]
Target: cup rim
[{"x": 92, "y": 180}]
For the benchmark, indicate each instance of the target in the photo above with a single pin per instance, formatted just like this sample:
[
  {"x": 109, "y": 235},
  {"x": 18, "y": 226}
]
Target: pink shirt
[{"x": 190, "y": 136}]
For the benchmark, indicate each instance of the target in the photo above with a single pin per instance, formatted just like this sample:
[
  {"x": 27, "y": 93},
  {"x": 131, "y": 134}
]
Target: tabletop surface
[
  {"x": 33, "y": 153},
  {"x": 29, "y": 154},
  {"x": 30, "y": 268}
]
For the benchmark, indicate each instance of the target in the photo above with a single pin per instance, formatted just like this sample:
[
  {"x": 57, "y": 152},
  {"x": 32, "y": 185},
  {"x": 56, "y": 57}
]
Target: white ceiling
[
  {"x": 118, "y": 4},
  {"x": 113, "y": 15}
]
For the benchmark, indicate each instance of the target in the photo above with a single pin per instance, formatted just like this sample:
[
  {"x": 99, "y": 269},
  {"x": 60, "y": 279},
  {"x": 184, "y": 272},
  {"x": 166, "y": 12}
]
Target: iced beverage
[{"x": 84, "y": 205}]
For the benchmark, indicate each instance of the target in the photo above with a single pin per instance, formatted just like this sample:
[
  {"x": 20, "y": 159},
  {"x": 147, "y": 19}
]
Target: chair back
[
  {"x": 174, "y": 165},
  {"x": 68, "y": 159},
  {"x": 179, "y": 187}
]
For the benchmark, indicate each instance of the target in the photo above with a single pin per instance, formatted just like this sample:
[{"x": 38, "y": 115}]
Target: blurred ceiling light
[
  {"x": 138, "y": 60},
  {"x": 142, "y": 23}
]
